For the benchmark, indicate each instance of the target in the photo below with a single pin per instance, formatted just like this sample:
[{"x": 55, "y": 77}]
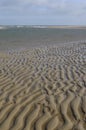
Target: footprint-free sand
[{"x": 43, "y": 88}]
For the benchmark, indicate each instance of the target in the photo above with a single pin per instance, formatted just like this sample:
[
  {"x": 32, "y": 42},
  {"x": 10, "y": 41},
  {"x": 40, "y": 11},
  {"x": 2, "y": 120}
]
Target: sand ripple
[{"x": 43, "y": 88}]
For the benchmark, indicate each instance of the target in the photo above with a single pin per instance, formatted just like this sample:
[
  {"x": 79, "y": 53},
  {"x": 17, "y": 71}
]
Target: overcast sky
[{"x": 43, "y": 12}]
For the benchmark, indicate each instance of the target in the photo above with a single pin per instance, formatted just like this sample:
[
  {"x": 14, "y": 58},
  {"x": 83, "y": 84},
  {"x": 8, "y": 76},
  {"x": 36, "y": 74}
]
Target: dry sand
[
  {"x": 67, "y": 27},
  {"x": 43, "y": 88}
]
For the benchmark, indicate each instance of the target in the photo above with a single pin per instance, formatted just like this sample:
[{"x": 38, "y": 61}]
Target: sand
[
  {"x": 67, "y": 27},
  {"x": 43, "y": 88}
]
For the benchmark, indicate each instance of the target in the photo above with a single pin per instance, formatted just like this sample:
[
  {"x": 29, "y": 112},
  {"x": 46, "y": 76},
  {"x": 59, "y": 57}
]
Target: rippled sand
[{"x": 43, "y": 88}]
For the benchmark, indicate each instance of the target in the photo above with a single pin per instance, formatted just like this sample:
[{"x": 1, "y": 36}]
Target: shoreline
[
  {"x": 44, "y": 26},
  {"x": 44, "y": 46}
]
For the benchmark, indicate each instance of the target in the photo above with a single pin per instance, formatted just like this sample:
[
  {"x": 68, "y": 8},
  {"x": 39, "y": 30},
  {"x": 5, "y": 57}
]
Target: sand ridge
[{"x": 43, "y": 88}]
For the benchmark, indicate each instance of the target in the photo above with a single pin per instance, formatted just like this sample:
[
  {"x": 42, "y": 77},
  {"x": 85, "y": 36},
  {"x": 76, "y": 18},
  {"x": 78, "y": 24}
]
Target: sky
[{"x": 42, "y": 12}]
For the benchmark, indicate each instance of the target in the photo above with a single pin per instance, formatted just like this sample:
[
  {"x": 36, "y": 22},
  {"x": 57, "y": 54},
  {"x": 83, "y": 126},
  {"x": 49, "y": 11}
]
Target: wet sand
[{"x": 43, "y": 88}]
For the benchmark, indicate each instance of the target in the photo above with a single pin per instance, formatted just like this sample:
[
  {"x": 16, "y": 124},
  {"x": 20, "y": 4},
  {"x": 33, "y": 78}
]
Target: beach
[{"x": 43, "y": 85}]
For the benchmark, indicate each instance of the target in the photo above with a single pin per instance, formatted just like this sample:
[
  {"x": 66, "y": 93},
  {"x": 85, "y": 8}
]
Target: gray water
[{"x": 14, "y": 37}]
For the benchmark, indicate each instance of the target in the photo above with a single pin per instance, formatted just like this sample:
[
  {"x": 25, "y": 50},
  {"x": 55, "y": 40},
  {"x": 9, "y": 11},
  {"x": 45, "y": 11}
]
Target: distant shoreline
[
  {"x": 43, "y": 26},
  {"x": 68, "y": 27}
]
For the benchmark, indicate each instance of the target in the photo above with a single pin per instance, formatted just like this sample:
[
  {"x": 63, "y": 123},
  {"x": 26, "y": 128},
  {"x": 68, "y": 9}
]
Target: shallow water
[{"x": 14, "y": 37}]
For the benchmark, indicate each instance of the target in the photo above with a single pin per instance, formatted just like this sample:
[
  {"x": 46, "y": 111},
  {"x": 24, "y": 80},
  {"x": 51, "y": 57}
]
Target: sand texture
[{"x": 43, "y": 88}]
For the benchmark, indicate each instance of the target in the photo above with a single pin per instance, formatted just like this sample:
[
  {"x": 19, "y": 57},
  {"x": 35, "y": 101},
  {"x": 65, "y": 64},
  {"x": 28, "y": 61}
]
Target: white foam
[{"x": 1, "y": 27}]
